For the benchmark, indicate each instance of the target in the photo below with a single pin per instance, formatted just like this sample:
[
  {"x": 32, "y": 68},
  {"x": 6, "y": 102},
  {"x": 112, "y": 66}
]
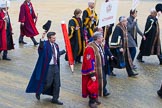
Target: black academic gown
[{"x": 152, "y": 44}]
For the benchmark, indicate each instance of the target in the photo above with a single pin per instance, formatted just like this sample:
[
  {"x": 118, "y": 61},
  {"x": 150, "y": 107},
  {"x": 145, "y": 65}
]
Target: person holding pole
[{"x": 107, "y": 33}]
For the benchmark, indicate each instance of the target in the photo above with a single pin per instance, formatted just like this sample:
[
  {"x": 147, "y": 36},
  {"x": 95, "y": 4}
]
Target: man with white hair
[
  {"x": 152, "y": 44},
  {"x": 90, "y": 20},
  {"x": 6, "y": 39},
  {"x": 93, "y": 71},
  {"x": 119, "y": 47}
]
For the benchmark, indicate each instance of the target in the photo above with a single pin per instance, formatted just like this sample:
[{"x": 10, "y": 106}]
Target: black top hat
[
  {"x": 158, "y": 7},
  {"x": 47, "y": 25}
]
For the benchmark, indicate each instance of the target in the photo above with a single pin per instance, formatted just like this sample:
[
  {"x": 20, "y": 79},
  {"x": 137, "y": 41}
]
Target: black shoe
[
  {"x": 79, "y": 62},
  {"x": 57, "y": 102},
  {"x": 112, "y": 74},
  {"x": 37, "y": 96},
  {"x": 8, "y": 59},
  {"x": 160, "y": 62},
  {"x": 159, "y": 94},
  {"x": 106, "y": 94},
  {"x": 92, "y": 105},
  {"x": 36, "y": 43},
  {"x": 133, "y": 75},
  {"x": 97, "y": 102},
  {"x": 140, "y": 59},
  {"x": 22, "y": 42}
]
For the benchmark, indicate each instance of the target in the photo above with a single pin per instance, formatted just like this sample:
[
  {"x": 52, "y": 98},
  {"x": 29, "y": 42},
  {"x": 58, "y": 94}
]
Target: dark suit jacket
[{"x": 38, "y": 78}]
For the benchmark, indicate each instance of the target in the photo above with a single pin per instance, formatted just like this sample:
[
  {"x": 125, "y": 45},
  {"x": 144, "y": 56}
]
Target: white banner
[
  {"x": 108, "y": 13},
  {"x": 134, "y": 4}
]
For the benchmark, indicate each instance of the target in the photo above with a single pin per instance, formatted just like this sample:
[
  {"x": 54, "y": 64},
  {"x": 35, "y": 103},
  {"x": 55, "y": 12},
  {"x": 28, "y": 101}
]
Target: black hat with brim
[
  {"x": 158, "y": 7},
  {"x": 47, "y": 25}
]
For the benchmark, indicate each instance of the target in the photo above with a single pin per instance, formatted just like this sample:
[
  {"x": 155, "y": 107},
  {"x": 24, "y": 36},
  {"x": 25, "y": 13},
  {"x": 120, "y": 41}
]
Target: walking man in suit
[{"x": 46, "y": 75}]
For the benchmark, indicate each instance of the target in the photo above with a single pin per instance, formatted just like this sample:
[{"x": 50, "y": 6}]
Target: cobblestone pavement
[{"x": 125, "y": 92}]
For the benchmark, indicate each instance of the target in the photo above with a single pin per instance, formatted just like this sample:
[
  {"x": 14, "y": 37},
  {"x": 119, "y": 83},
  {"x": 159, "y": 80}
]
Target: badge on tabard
[{"x": 88, "y": 56}]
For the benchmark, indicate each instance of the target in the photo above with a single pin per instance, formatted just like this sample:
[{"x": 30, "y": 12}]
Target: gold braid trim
[
  {"x": 79, "y": 36},
  {"x": 72, "y": 31}
]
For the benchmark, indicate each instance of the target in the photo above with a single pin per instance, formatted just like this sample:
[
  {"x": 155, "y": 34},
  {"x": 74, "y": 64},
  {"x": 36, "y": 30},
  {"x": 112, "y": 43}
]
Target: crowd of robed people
[{"x": 101, "y": 54}]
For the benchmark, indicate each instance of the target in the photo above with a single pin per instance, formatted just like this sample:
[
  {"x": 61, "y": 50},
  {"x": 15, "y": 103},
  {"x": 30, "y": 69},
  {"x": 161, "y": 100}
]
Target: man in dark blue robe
[{"x": 46, "y": 75}]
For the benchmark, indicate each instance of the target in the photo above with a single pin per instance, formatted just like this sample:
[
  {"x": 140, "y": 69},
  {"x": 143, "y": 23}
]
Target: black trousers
[
  {"x": 128, "y": 67},
  {"x": 104, "y": 80},
  {"x": 5, "y": 52},
  {"x": 53, "y": 81}
]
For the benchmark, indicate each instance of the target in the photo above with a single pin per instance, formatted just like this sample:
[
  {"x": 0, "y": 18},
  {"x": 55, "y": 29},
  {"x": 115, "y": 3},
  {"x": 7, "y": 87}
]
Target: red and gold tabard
[{"x": 92, "y": 63}]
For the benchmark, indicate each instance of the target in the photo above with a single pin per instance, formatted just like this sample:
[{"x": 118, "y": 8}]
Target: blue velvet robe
[{"x": 38, "y": 78}]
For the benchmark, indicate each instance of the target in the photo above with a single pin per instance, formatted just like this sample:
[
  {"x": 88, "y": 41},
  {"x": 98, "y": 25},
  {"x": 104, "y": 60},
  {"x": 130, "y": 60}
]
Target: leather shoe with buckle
[
  {"x": 57, "y": 102},
  {"x": 37, "y": 96}
]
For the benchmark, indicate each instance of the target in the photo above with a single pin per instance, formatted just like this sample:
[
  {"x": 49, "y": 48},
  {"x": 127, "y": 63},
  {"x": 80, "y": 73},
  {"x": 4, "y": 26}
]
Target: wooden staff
[
  {"x": 106, "y": 28},
  {"x": 105, "y": 32}
]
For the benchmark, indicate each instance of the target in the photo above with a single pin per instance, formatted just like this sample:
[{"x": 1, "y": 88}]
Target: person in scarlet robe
[
  {"x": 75, "y": 29},
  {"x": 46, "y": 75},
  {"x": 90, "y": 20},
  {"x": 27, "y": 19},
  {"x": 152, "y": 44},
  {"x": 8, "y": 30},
  {"x": 93, "y": 70},
  {"x": 3, "y": 38},
  {"x": 9, "y": 39}
]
